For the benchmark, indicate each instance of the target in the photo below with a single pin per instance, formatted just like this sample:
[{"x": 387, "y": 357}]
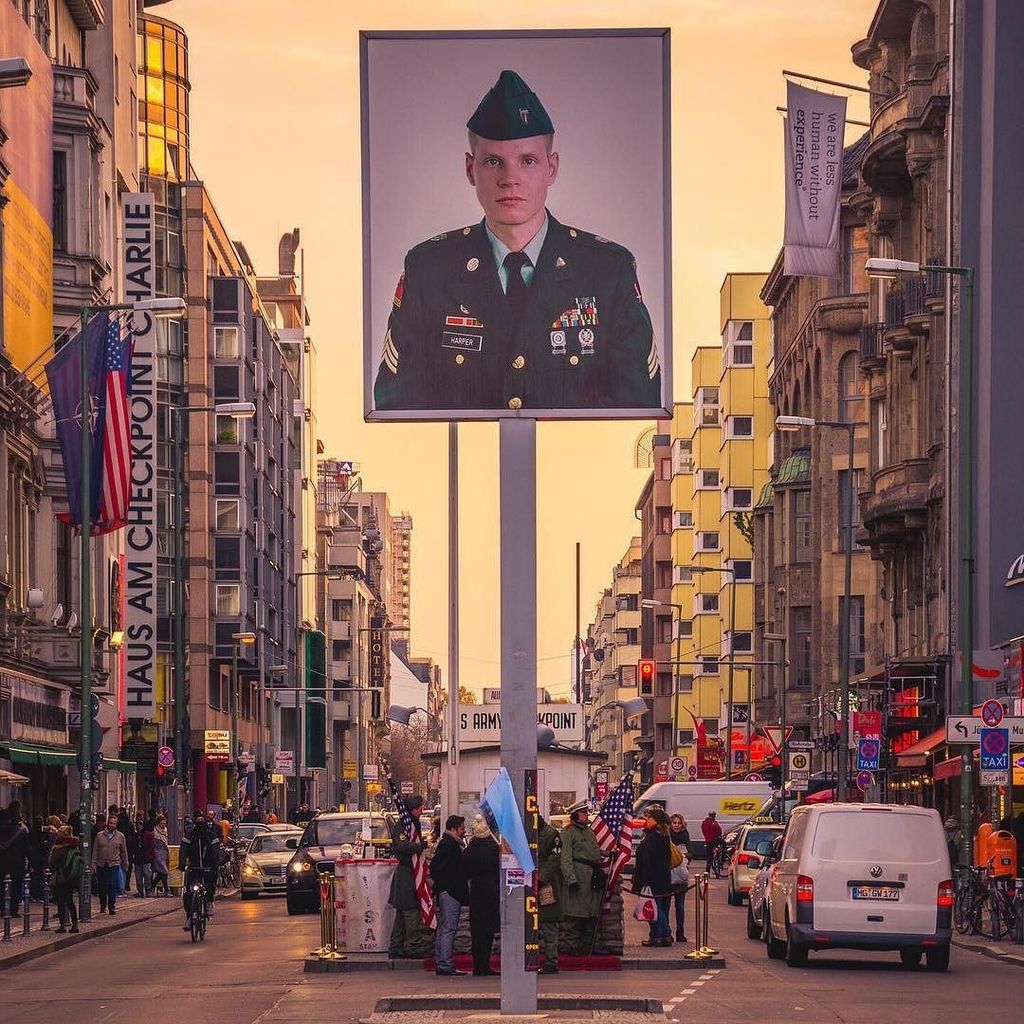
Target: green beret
[{"x": 510, "y": 110}]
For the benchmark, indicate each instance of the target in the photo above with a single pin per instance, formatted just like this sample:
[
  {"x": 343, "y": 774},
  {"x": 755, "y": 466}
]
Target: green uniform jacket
[
  {"x": 579, "y": 852},
  {"x": 549, "y": 871},
  {"x": 585, "y": 339},
  {"x": 403, "y": 883}
]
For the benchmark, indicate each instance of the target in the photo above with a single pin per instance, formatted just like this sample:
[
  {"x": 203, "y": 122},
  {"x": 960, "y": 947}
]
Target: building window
[
  {"x": 686, "y": 683},
  {"x": 227, "y": 556},
  {"x": 228, "y": 599},
  {"x": 684, "y": 455},
  {"x": 664, "y": 684},
  {"x": 707, "y": 540},
  {"x": 227, "y": 514},
  {"x": 743, "y": 569},
  {"x": 857, "y": 660},
  {"x": 707, "y": 407},
  {"x": 663, "y": 575},
  {"x": 739, "y": 498},
  {"x": 740, "y": 345},
  {"x": 849, "y": 388},
  {"x": 227, "y": 472},
  {"x": 740, "y": 426},
  {"x": 225, "y": 342},
  {"x": 224, "y": 647},
  {"x": 707, "y": 603},
  {"x": 337, "y": 609},
  {"x": 684, "y": 520},
  {"x": 683, "y": 574},
  {"x": 664, "y": 629},
  {"x": 709, "y": 665},
  {"x": 225, "y": 383},
  {"x": 878, "y": 434},
  {"x": 855, "y": 254},
  {"x": 685, "y": 737},
  {"x": 742, "y": 642},
  {"x": 60, "y": 200},
  {"x": 338, "y": 650},
  {"x": 847, "y": 522},
  {"x": 227, "y": 430},
  {"x": 801, "y": 632},
  {"x": 664, "y": 521},
  {"x": 664, "y": 469},
  {"x": 801, "y": 526},
  {"x": 708, "y": 479}
]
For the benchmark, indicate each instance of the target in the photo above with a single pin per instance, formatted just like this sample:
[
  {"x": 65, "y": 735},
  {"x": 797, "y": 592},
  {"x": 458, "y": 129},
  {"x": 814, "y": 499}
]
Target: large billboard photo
[{"x": 516, "y": 225}]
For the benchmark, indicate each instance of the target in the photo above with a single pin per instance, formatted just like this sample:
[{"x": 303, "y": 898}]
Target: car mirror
[
  {"x": 292, "y": 844},
  {"x": 763, "y": 848},
  {"x": 754, "y": 863}
]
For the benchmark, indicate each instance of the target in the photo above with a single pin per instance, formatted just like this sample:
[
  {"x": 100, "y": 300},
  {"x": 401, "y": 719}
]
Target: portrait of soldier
[{"x": 518, "y": 311}]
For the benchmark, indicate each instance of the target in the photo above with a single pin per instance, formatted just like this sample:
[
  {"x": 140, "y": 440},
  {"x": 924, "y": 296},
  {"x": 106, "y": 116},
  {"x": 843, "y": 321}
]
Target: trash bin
[
  {"x": 365, "y": 917},
  {"x": 1002, "y": 853},
  {"x": 981, "y": 853}
]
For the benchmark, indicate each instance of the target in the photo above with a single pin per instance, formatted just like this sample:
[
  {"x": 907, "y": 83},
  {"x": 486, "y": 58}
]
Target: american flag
[
  {"x": 408, "y": 824},
  {"x": 117, "y": 452},
  {"x": 613, "y": 827}
]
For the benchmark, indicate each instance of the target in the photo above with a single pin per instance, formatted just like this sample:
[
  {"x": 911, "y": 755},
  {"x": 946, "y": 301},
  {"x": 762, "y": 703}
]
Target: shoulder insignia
[
  {"x": 389, "y": 357},
  {"x": 399, "y": 292},
  {"x": 439, "y": 238},
  {"x": 599, "y": 238},
  {"x": 653, "y": 364},
  {"x": 557, "y": 843}
]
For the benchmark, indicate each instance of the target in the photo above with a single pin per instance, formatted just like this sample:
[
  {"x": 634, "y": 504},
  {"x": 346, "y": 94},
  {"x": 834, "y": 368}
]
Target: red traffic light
[{"x": 645, "y": 670}]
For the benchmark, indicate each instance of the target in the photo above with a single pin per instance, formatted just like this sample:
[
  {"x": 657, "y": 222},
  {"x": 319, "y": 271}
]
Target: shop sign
[
  {"x": 481, "y": 723},
  {"x": 38, "y": 713},
  {"x": 217, "y": 746}
]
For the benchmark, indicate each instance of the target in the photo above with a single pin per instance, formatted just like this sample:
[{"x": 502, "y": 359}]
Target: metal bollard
[
  {"x": 26, "y": 907},
  {"x": 698, "y": 922},
  {"x": 7, "y": 909},
  {"x": 328, "y": 921},
  {"x": 706, "y": 949},
  {"x": 45, "y": 927}
]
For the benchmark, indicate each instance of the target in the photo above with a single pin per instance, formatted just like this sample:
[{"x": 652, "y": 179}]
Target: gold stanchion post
[
  {"x": 698, "y": 921},
  {"x": 706, "y": 949}
]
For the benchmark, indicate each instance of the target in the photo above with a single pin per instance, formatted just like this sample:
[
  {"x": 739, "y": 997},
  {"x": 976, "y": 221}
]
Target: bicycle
[
  {"x": 200, "y": 912},
  {"x": 969, "y": 899},
  {"x": 229, "y": 873},
  {"x": 719, "y": 860},
  {"x": 1004, "y": 908}
]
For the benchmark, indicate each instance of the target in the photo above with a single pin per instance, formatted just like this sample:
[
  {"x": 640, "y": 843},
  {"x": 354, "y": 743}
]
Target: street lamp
[
  {"x": 650, "y": 602},
  {"x": 240, "y": 411},
  {"x": 238, "y": 640},
  {"x": 159, "y": 307},
  {"x": 632, "y": 707},
  {"x": 780, "y": 638},
  {"x": 401, "y": 715},
  {"x": 891, "y": 268},
  {"x": 794, "y": 423}
]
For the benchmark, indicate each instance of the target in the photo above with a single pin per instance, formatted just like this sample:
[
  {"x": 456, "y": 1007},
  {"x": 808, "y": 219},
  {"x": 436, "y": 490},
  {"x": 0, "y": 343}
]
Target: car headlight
[
  {"x": 301, "y": 865},
  {"x": 248, "y": 868}
]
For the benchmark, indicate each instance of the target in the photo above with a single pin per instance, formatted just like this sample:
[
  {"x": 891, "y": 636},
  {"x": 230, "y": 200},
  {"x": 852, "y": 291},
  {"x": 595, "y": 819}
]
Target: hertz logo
[{"x": 739, "y": 805}]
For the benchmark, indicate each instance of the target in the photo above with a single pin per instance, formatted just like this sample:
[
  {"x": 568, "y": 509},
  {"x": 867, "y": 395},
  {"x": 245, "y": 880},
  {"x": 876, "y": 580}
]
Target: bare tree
[{"x": 408, "y": 744}]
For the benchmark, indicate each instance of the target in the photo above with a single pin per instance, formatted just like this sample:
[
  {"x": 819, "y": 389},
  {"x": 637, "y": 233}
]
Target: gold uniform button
[
  {"x": 518, "y": 363},
  {"x": 572, "y": 232},
  {"x": 515, "y": 404},
  {"x": 460, "y": 359},
  {"x": 573, "y": 360}
]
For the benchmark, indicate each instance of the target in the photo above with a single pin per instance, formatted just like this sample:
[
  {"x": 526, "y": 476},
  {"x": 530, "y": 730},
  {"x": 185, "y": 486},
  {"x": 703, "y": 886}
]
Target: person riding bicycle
[
  {"x": 199, "y": 859},
  {"x": 712, "y": 832}
]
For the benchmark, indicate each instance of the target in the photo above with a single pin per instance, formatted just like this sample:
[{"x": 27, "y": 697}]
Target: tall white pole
[{"x": 450, "y": 793}]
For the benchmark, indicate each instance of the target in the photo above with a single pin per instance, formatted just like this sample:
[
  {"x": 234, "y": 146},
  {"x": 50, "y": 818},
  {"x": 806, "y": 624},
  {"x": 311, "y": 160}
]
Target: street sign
[
  {"x": 865, "y": 780},
  {"x": 692, "y": 771},
  {"x": 369, "y": 773},
  {"x": 408, "y": 788},
  {"x": 868, "y": 755},
  {"x": 350, "y": 770},
  {"x": 677, "y": 764},
  {"x": 992, "y": 713},
  {"x": 773, "y": 733},
  {"x": 165, "y": 757},
  {"x": 800, "y": 744},
  {"x": 284, "y": 762},
  {"x": 799, "y": 769},
  {"x": 994, "y": 750},
  {"x": 754, "y": 777},
  {"x": 276, "y": 779},
  {"x": 246, "y": 757},
  {"x": 967, "y": 729}
]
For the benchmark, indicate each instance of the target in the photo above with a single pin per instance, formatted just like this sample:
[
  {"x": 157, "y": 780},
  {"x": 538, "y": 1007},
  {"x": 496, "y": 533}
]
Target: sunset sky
[{"x": 275, "y": 135}]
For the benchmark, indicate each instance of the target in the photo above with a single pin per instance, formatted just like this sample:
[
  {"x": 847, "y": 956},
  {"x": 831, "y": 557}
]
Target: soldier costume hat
[{"x": 510, "y": 110}]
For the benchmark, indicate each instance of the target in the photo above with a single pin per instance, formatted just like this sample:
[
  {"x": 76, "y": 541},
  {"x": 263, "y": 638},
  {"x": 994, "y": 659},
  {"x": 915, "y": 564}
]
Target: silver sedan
[{"x": 266, "y": 862}]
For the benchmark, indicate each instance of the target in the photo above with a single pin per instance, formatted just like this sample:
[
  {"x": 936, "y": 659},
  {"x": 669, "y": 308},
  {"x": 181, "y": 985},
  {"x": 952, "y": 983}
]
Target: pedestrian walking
[
  {"x": 451, "y": 892},
  {"x": 109, "y": 856},
  {"x": 144, "y": 855},
  {"x": 66, "y": 867},
  {"x": 482, "y": 860},
  {"x": 13, "y": 852},
  {"x": 584, "y": 882},
  {"x": 161, "y": 856},
  {"x": 410, "y": 939},
  {"x": 652, "y": 872},
  {"x": 679, "y": 833},
  {"x": 549, "y": 893}
]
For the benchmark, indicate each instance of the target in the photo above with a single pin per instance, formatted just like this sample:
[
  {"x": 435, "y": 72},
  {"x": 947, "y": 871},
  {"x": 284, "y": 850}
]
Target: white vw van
[{"x": 862, "y": 876}]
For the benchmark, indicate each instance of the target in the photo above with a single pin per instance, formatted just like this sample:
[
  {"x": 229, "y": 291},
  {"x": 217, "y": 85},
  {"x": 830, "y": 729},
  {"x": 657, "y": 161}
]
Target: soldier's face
[{"x": 512, "y": 178}]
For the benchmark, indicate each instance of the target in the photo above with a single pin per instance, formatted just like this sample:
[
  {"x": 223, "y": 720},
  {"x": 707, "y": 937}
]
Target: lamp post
[
  {"x": 165, "y": 307},
  {"x": 891, "y": 269},
  {"x": 780, "y": 639},
  {"x": 632, "y": 707},
  {"x": 650, "y": 602},
  {"x": 237, "y": 640},
  {"x": 794, "y": 423},
  {"x": 239, "y": 411}
]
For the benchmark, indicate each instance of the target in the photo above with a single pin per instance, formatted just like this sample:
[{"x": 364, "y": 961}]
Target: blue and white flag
[{"x": 500, "y": 809}]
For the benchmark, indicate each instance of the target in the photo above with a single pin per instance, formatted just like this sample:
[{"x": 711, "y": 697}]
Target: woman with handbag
[
  {"x": 680, "y": 836},
  {"x": 653, "y": 870}
]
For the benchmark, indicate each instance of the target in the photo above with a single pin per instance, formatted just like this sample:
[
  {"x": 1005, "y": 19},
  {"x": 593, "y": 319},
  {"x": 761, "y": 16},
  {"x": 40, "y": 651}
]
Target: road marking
[
  {"x": 677, "y": 999},
  {"x": 698, "y": 982},
  {"x": 689, "y": 991}
]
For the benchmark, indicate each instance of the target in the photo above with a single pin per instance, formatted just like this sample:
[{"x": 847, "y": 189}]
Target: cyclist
[
  {"x": 200, "y": 859},
  {"x": 712, "y": 832}
]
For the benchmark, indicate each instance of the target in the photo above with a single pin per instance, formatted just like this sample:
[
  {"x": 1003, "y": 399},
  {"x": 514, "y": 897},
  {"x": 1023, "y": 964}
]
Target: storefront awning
[
  {"x": 25, "y": 754},
  {"x": 914, "y": 756},
  {"x": 112, "y": 764}
]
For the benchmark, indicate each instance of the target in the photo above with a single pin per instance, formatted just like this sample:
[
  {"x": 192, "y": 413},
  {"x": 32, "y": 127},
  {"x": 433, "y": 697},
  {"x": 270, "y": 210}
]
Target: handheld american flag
[
  {"x": 411, "y": 827},
  {"x": 613, "y": 827}
]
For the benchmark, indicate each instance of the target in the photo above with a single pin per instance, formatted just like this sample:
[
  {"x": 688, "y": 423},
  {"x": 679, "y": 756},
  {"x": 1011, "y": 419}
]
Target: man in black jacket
[{"x": 451, "y": 891}]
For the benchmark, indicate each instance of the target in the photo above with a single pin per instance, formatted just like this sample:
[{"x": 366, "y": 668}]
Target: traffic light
[
  {"x": 163, "y": 777},
  {"x": 772, "y": 772},
  {"x": 645, "y": 670}
]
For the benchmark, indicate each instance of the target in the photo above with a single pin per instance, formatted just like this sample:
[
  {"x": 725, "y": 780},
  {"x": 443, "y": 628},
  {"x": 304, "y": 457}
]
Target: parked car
[
  {"x": 325, "y": 838},
  {"x": 746, "y": 861},
  {"x": 265, "y": 867},
  {"x": 757, "y": 898},
  {"x": 862, "y": 876}
]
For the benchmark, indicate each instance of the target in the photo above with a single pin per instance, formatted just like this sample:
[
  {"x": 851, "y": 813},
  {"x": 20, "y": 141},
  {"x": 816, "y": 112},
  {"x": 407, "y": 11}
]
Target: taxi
[{"x": 746, "y": 861}]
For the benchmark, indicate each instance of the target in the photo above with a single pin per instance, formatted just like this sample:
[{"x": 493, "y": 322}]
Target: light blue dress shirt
[{"x": 532, "y": 250}]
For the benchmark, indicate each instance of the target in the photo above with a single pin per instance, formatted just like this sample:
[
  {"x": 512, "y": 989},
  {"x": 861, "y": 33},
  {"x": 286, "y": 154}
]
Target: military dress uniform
[
  {"x": 581, "y": 903},
  {"x": 583, "y": 340},
  {"x": 410, "y": 938},
  {"x": 549, "y": 873}
]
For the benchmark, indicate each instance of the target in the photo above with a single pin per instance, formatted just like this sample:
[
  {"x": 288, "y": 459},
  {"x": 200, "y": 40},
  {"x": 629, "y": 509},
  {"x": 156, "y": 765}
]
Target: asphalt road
[{"x": 250, "y": 969}]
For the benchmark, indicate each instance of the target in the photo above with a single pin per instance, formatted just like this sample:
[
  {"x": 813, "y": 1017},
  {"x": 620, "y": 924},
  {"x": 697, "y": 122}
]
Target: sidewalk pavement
[
  {"x": 1004, "y": 952},
  {"x": 130, "y": 910}
]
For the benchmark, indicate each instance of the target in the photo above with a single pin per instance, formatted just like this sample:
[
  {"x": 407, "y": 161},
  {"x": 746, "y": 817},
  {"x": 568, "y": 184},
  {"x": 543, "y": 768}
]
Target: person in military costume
[
  {"x": 549, "y": 895},
  {"x": 581, "y": 900},
  {"x": 518, "y": 312},
  {"x": 410, "y": 939}
]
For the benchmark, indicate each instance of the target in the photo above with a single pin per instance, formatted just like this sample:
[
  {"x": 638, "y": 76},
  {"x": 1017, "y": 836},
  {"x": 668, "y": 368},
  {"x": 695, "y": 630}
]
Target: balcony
[
  {"x": 872, "y": 343},
  {"x": 87, "y": 14},
  {"x": 348, "y": 556},
  {"x": 897, "y": 504},
  {"x": 74, "y": 87}
]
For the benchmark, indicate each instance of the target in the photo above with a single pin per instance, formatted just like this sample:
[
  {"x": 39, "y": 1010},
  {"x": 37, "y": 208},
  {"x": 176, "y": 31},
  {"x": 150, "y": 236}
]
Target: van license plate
[{"x": 874, "y": 892}]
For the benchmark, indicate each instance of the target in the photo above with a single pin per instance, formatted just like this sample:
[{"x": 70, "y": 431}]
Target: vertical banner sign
[
  {"x": 531, "y": 908},
  {"x": 140, "y": 534},
  {"x": 378, "y": 658},
  {"x": 814, "y": 126}
]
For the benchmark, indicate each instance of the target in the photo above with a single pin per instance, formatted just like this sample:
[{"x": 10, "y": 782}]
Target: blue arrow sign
[{"x": 994, "y": 750}]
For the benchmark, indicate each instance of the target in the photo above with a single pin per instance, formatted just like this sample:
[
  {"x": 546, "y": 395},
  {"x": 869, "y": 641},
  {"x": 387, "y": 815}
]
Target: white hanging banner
[{"x": 814, "y": 126}]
